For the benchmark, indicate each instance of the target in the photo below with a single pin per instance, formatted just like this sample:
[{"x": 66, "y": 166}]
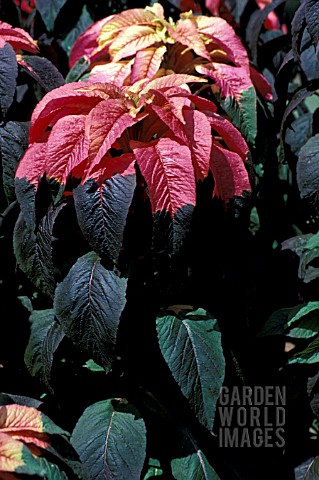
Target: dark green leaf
[
  {"x": 237, "y": 8},
  {"x": 8, "y": 399},
  {"x": 78, "y": 70},
  {"x": 88, "y": 303},
  {"x": 313, "y": 393},
  {"x": 93, "y": 367},
  {"x": 52, "y": 471},
  {"x": 43, "y": 72},
  {"x": 312, "y": 19},
  {"x": 49, "y": 10},
  {"x": 33, "y": 250},
  {"x": 276, "y": 324},
  {"x": 13, "y": 143},
  {"x": 297, "y": 98},
  {"x": 299, "y": 132},
  {"x": 296, "y": 322},
  {"x": 304, "y": 311},
  {"x": 83, "y": 23},
  {"x": 110, "y": 438},
  {"x": 46, "y": 336},
  {"x": 309, "y": 57},
  {"x": 191, "y": 346},
  {"x": 102, "y": 211},
  {"x": 25, "y": 193},
  {"x": 307, "y": 356},
  {"x": 190, "y": 462},
  {"x": 308, "y": 168},
  {"x": 154, "y": 469},
  {"x": 193, "y": 466},
  {"x": 8, "y": 76},
  {"x": 297, "y": 27},
  {"x": 255, "y": 25},
  {"x": 312, "y": 473},
  {"x": 243, "y": 114}
]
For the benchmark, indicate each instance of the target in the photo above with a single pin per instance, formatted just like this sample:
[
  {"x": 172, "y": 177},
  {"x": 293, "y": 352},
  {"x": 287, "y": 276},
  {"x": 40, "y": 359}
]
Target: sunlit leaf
[
  {"x": 131, "y": 40},
  {"x": 167, "y": 168},
  {"x": 187, "y": 34},
  {"x": 238, "y": 93},
  {"x": 16, "y": 457},
  {"x": 147, "y": 62}
]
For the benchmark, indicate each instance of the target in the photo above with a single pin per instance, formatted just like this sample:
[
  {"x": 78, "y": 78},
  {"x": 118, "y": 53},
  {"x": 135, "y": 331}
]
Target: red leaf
[
  {"x": 67, "y": 147},
  {"x": 18, "y": 38},
  {"x": 231, "y": 136},
  {"x": 152, "y": 127},
  {"x": 198, "y": 131},
  {"x": 165, "y": 109},
  {"x": 105, "y": 124},
  {"x": 32, "y": 164},
  {"x": 213, "y": 6},
  {"x": 229, "y": 172},
  {"x": 87, "y": 42},
  {"x": 113, "y": 72},
  {"x": 70, "y": 99},
  {"x": 167, "y": 168},
  {"x": 231, "y": 80},
  {"x": 123, "y": 165},
  {"x": 261, "y": 84},
  {"x": 225, "y": 37},
  {"x": 186, "y": 33},
  {"x": 147, "y": 62},
  {"x": 204, "y": 105}
]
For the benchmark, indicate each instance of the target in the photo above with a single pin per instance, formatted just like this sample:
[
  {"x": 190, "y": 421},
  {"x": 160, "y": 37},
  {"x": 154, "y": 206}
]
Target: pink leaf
[
  {"x": 87, "y": 43},
  {"x": 67, "y": 147},
  {"x": 231, "y": 80},
  {"x": 105, "y": 124},
  {"x": 225, "y": 37},
  {"x": 261, "y": 84},
  {"x": 147, "y": 62},
  {"x": 32, "y": 164},
  {"x": 187, "y": 34},
  {"x": 70, "y": 99},
  {"x": 213, "y": 6},
  {"x": 131, "y": 40},
  {"x": 165, "y": 110},
  {"x": 167, "y": 168},
  {"x": 113, "y": 72},
  {"x": 173, "y": 80},
  {"x": 230, "y": 135},
  {"x": 199, "y": 135},
  {"x": 18, "y": 38},
  {"x": 229, "y": 172},
  {"x": 152, "y": 127},
  {"x": 123, "y": 165}
]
